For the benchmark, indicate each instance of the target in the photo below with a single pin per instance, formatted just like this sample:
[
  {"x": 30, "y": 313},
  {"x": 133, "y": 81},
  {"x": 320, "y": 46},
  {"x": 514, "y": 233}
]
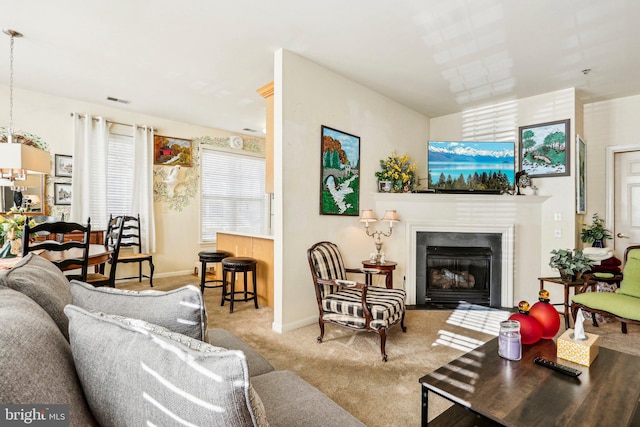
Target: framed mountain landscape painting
[{"x": 339, "y": 173}]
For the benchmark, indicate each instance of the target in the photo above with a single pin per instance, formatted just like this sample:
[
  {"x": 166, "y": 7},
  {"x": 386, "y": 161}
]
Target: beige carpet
[{"x": 347, "y": 366}]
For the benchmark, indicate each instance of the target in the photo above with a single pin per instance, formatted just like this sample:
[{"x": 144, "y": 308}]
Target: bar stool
[
  {"x": 235, "y": 265},
  {"x": 206, "y": 257}
]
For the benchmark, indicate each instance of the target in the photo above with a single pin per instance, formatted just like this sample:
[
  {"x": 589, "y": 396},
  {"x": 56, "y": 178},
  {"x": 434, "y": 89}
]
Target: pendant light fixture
[{"x": 18, "y": 159}]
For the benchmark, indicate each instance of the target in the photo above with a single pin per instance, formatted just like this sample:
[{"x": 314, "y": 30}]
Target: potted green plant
[
  {"x": 570, "y": 263},
  {"x": 595, "y": 233}
]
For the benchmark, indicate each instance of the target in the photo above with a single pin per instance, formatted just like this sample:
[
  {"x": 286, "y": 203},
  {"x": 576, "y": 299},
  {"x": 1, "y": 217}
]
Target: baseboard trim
[
  {"x": 176, "y": 273},
  {"x": 281, "y": 328}
]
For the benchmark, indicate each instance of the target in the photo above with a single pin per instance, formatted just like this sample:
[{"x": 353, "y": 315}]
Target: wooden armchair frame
[
  {"x": 589, "y": 280},
  {"x": 321, "y": 284}
]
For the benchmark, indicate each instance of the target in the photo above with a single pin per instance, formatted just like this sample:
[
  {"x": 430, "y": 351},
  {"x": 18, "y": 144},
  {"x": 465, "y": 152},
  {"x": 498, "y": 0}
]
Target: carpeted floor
[{"x": 347, "y": 366}]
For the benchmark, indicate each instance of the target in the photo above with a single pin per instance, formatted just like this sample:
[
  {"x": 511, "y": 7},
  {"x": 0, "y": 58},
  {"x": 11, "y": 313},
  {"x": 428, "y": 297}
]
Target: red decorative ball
[
  {"x": 547, "y": 316},
  {"x": 530, "y": 329}
]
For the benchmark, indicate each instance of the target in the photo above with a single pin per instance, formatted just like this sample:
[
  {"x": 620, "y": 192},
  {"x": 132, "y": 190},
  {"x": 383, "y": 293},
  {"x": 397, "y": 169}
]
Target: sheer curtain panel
[
  {"x": 89, "y": 176},
  {"x": 143, "y": 185}
]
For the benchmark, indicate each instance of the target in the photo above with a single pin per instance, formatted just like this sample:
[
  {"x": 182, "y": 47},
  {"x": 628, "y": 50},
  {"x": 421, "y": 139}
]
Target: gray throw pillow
[
  {"x": 36, "y": 366},
  {"x": 181, "y": 310},
  {"x": 134, "y": 373},
  {"x": 44, "y": 283}
]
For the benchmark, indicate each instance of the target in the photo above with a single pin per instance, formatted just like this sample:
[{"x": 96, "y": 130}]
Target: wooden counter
[{"x": 260, "y": 248}]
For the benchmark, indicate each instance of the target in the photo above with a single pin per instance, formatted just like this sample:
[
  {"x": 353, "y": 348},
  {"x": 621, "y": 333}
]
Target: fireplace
[{"x": 456, "y": 266}]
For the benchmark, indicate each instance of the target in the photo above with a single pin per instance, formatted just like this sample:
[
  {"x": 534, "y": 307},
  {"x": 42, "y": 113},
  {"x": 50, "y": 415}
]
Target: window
[
  {"x": 120, "y": 172},
  {"x": 233, "y": 193}
]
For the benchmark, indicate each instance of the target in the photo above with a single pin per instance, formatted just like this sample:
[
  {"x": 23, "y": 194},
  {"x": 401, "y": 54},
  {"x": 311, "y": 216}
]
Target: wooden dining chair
[
  {"x": 112, "y": 244},
  {"x": 69, "y": 255},
  {"x": 131, "y": 242}
]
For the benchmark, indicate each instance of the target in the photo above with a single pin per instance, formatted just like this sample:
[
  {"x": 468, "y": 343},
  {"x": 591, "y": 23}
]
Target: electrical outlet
[
  {"x": 557, "y": 232},
  {"x": 557, "y": 216}
]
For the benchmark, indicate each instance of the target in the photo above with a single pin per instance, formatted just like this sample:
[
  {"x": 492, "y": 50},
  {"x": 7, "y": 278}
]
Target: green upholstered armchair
[{"x": 624, "y": 304}]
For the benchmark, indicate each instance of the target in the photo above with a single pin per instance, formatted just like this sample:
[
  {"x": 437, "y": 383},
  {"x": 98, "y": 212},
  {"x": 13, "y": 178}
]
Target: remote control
[{"x": 563, "y": 369}]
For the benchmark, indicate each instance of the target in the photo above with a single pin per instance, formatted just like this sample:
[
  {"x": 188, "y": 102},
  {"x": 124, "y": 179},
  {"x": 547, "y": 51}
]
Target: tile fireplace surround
[{"x": 516, "y": 218}]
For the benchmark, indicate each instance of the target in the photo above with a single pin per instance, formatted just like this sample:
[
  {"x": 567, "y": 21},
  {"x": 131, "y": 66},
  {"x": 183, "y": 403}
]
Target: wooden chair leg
[
  {"x": 233, "y": 291},
  {"x": 224, "y": 286},
  {"x": 383, "y": 340},
  {"x": 255, "y": 288},
  {"x": 151, "y": 268},
  {"x": 203, "y": 274},
  {"x": 321, "y": 323}
]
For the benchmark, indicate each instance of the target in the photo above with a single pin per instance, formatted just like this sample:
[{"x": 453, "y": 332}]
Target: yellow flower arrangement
[
  {"x": 11, "y": 228},
  {"x": 400, "y": 171}
]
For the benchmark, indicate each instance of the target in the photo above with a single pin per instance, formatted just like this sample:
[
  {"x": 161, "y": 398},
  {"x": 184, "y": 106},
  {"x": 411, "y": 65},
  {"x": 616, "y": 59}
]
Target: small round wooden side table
[{"x": 384, "y": 266}]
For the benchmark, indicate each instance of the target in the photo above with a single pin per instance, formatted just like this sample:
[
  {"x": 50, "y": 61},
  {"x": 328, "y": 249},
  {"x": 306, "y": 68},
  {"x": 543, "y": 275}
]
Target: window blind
[
  {"x": 120, "y": 174},
  {"x": 232, "y": 193}
]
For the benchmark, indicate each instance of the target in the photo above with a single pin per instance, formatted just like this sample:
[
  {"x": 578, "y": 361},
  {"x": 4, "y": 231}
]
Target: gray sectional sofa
[{"x": 132, "y": 358}]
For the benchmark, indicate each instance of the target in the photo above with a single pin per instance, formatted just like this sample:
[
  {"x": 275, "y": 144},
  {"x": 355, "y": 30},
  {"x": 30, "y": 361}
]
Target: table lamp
[{"x": 367, "y": 216}]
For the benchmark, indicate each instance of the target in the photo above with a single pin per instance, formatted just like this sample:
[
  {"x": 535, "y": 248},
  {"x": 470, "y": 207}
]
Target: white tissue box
[{"x": 581, "y": 352}]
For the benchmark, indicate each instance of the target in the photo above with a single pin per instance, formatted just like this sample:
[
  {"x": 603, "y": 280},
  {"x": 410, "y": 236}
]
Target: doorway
[{"x": 623, "y": 196}]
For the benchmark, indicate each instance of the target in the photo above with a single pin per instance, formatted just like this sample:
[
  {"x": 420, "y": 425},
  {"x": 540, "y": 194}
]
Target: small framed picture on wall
[
  {"x": 63, "y": 165},
  {"x": 61, "y": 193},
  {"x": 169, "y": 151}
]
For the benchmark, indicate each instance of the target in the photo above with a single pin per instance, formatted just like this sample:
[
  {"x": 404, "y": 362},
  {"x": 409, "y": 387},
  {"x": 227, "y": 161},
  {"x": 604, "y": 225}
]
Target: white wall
[
  {"x": 501, "y": 122},
  {"x": 48, "y": 117},
  {"x": 307, "y": 96}
]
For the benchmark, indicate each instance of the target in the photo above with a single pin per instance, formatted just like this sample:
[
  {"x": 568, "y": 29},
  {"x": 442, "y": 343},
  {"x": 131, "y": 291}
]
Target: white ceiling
[{"x": 201, "y": 61}]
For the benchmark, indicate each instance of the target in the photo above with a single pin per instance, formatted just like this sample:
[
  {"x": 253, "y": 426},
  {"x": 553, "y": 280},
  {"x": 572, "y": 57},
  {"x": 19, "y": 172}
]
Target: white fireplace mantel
[
  {"x": 517, "y": 218},
  {"x": 461, "y": 198}
]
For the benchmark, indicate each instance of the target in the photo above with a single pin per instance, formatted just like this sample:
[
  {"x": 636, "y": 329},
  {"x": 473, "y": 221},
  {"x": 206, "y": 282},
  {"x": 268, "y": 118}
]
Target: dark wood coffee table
[{"x": 488, "y": 390}]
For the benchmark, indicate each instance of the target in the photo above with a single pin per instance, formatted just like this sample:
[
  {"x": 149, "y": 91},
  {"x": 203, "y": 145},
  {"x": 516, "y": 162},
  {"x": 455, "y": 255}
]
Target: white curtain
[
  {"x": 89, "y": 177},
  {"x": 143, "y": 185}
]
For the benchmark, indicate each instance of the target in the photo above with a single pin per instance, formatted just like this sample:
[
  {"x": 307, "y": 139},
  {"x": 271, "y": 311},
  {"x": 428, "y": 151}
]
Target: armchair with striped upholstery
[{"x": 353, "y": 305}]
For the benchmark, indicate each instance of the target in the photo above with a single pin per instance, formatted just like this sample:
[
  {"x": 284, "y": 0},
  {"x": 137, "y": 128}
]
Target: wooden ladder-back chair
[
  {"x": 112, "y": 243},
  {"x": 349, "y": 304},
  {"x": 69, "y": 255},
  {"x": 130, "y": 239}
]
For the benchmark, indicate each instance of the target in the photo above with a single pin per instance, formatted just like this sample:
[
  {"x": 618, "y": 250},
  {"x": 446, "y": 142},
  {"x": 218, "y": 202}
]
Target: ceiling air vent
[{"x": 121, "y": 101}]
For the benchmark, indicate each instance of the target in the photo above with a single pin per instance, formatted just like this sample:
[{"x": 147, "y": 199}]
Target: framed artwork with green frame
[
  {"x": 581, "y": 176},
  {"x": 339, "y": 173}
]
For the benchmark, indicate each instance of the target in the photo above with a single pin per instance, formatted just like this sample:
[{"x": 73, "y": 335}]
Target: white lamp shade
[
  {"x": 368, "y": 216},
  {"x": 391, "y": 216},
  {"x": 25, "y": 158}
]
